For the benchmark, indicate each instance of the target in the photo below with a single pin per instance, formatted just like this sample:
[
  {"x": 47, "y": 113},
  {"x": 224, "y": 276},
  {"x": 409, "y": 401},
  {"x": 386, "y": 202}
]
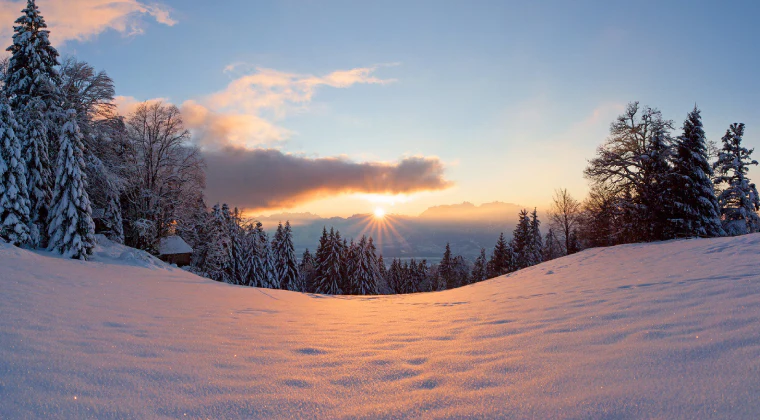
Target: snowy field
[{"x": 667, "y": 330}]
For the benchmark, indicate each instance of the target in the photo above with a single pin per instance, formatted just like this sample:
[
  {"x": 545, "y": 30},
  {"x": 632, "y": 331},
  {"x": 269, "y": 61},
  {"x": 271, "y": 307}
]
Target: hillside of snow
[{"x": 665, "y": 330}]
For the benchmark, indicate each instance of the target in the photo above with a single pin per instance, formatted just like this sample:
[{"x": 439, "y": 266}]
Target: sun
[{"x": 379, "y": 213}]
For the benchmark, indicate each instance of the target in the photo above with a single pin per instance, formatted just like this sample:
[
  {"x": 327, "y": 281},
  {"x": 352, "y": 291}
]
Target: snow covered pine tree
[
  {"x": 695, "y": 207},
  {"x": 739, "y": 201},
  {"x": 71, "y": 227},
  {"x": 32, "y": 85},
  {"x": 14, "y": 198}
]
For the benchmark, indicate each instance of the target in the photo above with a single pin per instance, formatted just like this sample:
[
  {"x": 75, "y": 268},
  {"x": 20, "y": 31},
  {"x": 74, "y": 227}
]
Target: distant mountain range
[{"x": 465, "y": 226}]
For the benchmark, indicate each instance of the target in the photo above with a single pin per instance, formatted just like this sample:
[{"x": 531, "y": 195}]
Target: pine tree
[
  {"x": 329, "y": 272},
  {"x": 695, "y": 206},
  {"x": 502, "y": 259},
  {"x": 71, "y": 227},
  {"x": 552, "y": 246},
  {"x": 536, "y": 247},
  {"x": 446, "y": 271},
  {"x": 286, "y": 265},
  {"x": 14, "y": 198},
  {"x": 353, "y": 268},
  {"x": 368, "y": 280},
  {"x": 216, "y": 256},
  {"x": 522, "y": 241},
  {"x": 32, "y": 84},
  {"x": 259, "y": 274},
  {"x": 479, "y": 269},
  {"x": 306, "y": 269},
  {"x": 739, "y": 200}
]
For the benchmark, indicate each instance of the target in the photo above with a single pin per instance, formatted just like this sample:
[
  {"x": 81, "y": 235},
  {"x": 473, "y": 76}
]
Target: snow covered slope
[{"x": 668, "y": 330}]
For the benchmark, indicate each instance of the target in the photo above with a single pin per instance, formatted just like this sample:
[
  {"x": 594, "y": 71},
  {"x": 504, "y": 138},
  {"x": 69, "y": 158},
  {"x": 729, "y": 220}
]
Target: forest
[{"x": 69, "y": 162}]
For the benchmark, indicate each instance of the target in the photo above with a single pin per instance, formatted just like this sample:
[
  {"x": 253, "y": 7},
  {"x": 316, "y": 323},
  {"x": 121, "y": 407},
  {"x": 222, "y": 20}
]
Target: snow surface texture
[{"x": 664, "y": 330}]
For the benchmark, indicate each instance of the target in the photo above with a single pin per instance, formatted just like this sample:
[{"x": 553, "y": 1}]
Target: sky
[{"x": 340, "y": 107}]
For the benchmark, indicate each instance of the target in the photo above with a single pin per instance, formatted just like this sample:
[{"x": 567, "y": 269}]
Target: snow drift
[{"x": 665, "y": 330}]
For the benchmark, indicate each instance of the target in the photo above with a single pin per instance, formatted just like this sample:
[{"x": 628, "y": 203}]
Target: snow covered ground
[{"x": 666, "y": 330}]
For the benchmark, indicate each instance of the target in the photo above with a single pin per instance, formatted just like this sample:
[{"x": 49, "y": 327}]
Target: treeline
[
  {"x": 69, "y": 161},
  {"x": 649, "y": 185}
]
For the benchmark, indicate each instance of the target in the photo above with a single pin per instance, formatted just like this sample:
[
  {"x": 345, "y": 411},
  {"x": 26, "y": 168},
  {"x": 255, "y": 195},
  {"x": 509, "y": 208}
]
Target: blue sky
[{"x": 512, "y": 97}]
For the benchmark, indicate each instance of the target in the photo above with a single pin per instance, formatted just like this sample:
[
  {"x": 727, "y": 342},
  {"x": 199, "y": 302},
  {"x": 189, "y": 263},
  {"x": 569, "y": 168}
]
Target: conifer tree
[
  {"x": 738, "y": 200},
  {"x": 552, "y": 246},
  {"x": 71, "y": 227},
  {"x": 306, "y": 271},
  {"x": 502, "y": 259},
  {"x": 259, "y": 269},
  {"x": 522, "y": 241},
  {"x": 286, "y": 265},
  {"x": 32, "y": 84},
  {"x": 446, "y": 273},
  {"x": 216, "y": 255},
  {"x": 353, "y": 268},
  {"x": 536, "y": 244},
  {"x": 368, "y": 281},
  {"x": 329, "y": 270},
  {"x": 479, "y": 269},
  {"x": 14, "y": 198},
  {"x": 695, "y": 206},
  {"x": 235, "y": 259}
]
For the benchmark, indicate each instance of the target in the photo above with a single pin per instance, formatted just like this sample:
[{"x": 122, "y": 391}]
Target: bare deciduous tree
[
  {"x": 167, "y": 170},
  {"x": 564, "y": 218}
]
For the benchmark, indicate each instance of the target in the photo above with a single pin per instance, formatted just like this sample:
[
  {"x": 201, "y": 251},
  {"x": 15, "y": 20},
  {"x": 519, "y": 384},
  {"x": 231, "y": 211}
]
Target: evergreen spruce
[
  {"x": 536, "y": 248},
  {"x": 446, "y": 273},
  {"x": 695, "y": 206},
  {"x": 71, "y": 227},
  {"x": 14, "y": 198},
  {"x": 306, "y": 269},
  {"x": 738, "y": 200},
  {"x": 522, "y": 241},
  {"x": 368, "y": 279},
  {"x": 479, "y": 269},
  {"x": 329, "y": 272},
  {"x": 286, "y": 262},
  {"x": 32, "y": 85},
  {"x": 353, "y": 269},
  {"x": 552, "y": 246},
  {"x": 502, "y": 259}
]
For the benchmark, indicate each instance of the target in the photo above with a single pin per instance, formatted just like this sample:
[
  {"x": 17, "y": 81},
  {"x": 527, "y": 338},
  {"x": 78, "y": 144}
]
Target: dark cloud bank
[{"x": 268, "y": 178}]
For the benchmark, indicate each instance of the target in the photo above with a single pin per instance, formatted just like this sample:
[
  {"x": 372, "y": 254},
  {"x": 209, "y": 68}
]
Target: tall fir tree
[
  {"x": 695, "y": 207},
  {"x": 306, "y": 268},
  {"x": 738, "y": 200},
  {"x": 446, "y": 273},
  {"x": 502, "y": 259},
  {"x": 522, "y": 241},
  {"x": 479, "y": 269},
  {"x": 32, "y": 85},
  {"x": 329, "y": 254},
  {"x": 71, "y": 227},
  {"x": 552, "y": 246},
  {"x": 14, "y": 198},
  {"x": 536, "y": 248},
  {"x": 286, "y": 266}
]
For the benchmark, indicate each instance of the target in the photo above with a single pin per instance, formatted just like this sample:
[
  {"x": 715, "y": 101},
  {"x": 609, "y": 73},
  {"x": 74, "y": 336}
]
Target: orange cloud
[
  {"x": 268, "y": 90},
  {"x": 81, "y": 20},
  {"x": 263, "y": 179}
]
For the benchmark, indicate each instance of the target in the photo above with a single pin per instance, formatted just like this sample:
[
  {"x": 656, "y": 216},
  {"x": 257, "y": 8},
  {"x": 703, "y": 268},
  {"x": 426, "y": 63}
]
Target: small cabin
[{"x": 174, "y": 250}]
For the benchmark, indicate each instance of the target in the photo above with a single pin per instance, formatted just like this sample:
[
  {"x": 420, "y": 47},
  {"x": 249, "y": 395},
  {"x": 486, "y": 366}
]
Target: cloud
[
  {"x": 214, "y": 130},
  {"x": 82, "y": 20},
  {"x": 269, "y": 179},
  {"x": 272, "y": 90},
  {"x": 246, "y": 112}
]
